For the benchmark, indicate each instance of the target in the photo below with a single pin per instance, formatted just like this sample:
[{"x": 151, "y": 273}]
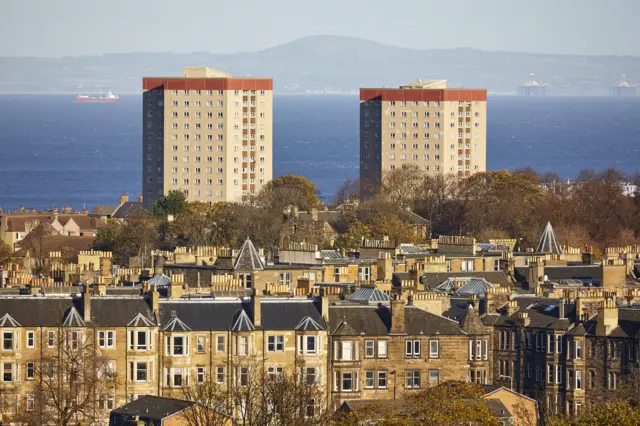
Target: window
[
  {"x": 559, "y": 343},
  {"x": 140, "y": 340},
  {"x": 434, "y": 348},
  {"x": 467, "y": 265},
  {"x": 382, "y": 348},
  {"x": 51, "y": 339},
  {"x": 176, "y": 377},
  {"x": 285, "y": 278},
  {"x": 369, "y": 379},
  {"x": 31, "y": 339},
  {"x": 138, "y": 372},
  {"x": 559, "y": 375},
  {"x": 7, "y": 340},
  {"x": 578, "y": 345},
  {"x": 485, "y": 349},
  {"x": 243, "y": 345},
  {"x": 434, "y": 377},
  {"x": 275, "y": 343},
  {"x": 106, "y": 339},
  {"x": 200, "y": 344},
  {"x": 412, "y": 348},
  {"x": 382, "y": 379},
  {"x": 413, "y": 379},
  {"x": 369, "y": 348},
  {"x": 347, "y": 351},
  {"x": 31, "y": 402},
  {"x": 592, "y": 379},
  {"x": 273, "y": 372},
  {"x": 311, "y": 344},
  {"x": 612, "y": 381},
  {"x": 31, "y": 371},
  {"x": 220, "y": 375},
  {"x": 364, "y": 273},
  {"x": 310, "y": 376},
  {"x": 244, "y": 376},
  {"x": 578, "y": 380},
  {"x": 178, "y": 345},
  {"x": 347, "y": 382}
]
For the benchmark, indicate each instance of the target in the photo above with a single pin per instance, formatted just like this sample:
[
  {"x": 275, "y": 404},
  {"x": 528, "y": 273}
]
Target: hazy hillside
[{"x": 326, "y": 63}]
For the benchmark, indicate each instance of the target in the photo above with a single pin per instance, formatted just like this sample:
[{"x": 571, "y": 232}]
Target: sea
[{"x": 54, "y": 152}]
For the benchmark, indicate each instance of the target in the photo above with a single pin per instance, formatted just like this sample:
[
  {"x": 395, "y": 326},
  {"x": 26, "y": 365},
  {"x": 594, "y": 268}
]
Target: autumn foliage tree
[{"x": 449, "y": 404}]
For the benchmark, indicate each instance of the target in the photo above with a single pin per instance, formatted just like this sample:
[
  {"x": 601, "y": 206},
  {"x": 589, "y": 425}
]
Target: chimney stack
[
  {"x": 86, "y": 303},
  {"x": 257, "y": 308},
  {"x": 607, "y": 317},
  {"x": 397, "y": 315},
  {"x": 324, "y": 305},
  {"x": 124, "y": 198},
  {"x": 314, "y": 214},
  {"x": 21, "y": 208},
  {"x": 140, "y": 198},
  {"x": 175, "y": 286}
]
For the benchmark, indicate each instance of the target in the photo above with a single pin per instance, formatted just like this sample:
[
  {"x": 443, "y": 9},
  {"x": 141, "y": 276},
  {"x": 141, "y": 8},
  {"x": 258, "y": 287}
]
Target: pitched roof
[
  {"x": 200, "y": 315},
  {"x": 543, "y": 313},
  {"x": 376, "y": 320},
  {"x": 18, "y": 223},
  {"x": 548, "y": 242},
  {"x": 368, "y": 295},
  {"x": 58, "y": 242},
  {"x": 104, "y": 210},
  {"x": 37, "y": 311},
  {"x": 242, "y": 322},
  {"x": 176, "y": 325},
  {"x": 73, "y": 319},
  {"x": 286, "y": 314},
  {"x": 477, "y": 286},
  {"x": 248, "y": 259},
  {"x": 130, "y": 209},
  {"x": 433, "y": 279},
  {"x": 140, "y": 321},
  {"x": 112, "y": 311},
  {"x": 7, "y": 321},
  {"x": 309, "y": 324},
  {"x": 471, "y": 323},
  {"x": 152, "y": 408},
  {"x": 160, "y": 280}
]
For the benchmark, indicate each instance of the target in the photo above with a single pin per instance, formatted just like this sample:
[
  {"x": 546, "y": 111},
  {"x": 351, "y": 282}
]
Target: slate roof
[
  {"x": 286, "y": 315},
  {"x": 160, "y": 280},
  {"x": 248, "y": 259},
  {"x": 149, "y": 408},
  {"x": 543, "y": 313},
  {"x": 241, "y": 322},
  {"x": 548, "y": 242},
  {"x": 309, "y": 324},
  {"x": 200, "y": 315},
  {"x": 412, "y": 250},
  {"x": 376, "y": 320},
  {"x": 141, "y": 321},
  {"x": 58, "y": 242},
  {"x": 118, "y": 312},
  {"x": 433, "y": 279},
  {"x": 176, "y": 325},
  {"x": 587, "y": 274},
  {"x": 368, "y": 295},
  {"x": 32, "y": 311},
  {"x": 73, "y": 319},
  {"x": 128, "y": 210},
  {"x": 104, "y": 210},
  {"x": 471, "y": 322},
  {"x": 8, "y": 321},
  {"x": 458, "y": 309}
]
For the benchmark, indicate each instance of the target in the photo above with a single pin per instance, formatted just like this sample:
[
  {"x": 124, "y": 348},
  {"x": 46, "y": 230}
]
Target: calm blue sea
[{"x": 55, "y": 152}]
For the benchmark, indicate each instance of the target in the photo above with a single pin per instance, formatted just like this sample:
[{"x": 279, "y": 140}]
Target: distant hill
[{"x": 326, "y": 63}]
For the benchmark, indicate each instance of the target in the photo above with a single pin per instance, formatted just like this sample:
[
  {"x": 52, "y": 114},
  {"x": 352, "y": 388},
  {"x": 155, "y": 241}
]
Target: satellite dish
[
  {"x": 423, "y": 279},
  {"x": 546, "y": 278}
]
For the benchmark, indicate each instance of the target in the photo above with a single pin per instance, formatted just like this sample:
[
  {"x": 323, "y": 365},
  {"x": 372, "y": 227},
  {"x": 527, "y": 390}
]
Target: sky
[{"x": 91, "y": 27}]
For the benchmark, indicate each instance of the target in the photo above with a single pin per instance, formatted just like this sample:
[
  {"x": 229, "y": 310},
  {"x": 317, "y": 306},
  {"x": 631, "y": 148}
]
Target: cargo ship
[
  {"x": 623, "y": 89},
  {"x": 109, "y": 97}
]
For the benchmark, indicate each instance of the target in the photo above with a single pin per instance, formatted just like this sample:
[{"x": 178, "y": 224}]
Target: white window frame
[{"x": 432, "y": 353}]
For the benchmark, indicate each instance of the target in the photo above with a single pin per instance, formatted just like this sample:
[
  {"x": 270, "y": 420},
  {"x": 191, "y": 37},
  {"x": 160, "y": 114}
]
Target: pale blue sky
[{"x": 81, "y": 27}]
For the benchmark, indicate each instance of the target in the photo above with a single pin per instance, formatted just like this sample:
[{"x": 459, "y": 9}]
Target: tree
[
  {"x": 289, "y": 190},
  {"x": 6, "y": 254},
  {"x": 214, "y": 403},
  {"x": 615, "y": 413},
  {"x": 71, "y": 382},
  {"x": 35, "y": 243},
  {"x": 349, "y": 190},
  {"x": 134, "y": 238},
  {"x": 400, "y": 186},
  {"x": 449, "y": 404},
  {"x": 172, "y": 203}
]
